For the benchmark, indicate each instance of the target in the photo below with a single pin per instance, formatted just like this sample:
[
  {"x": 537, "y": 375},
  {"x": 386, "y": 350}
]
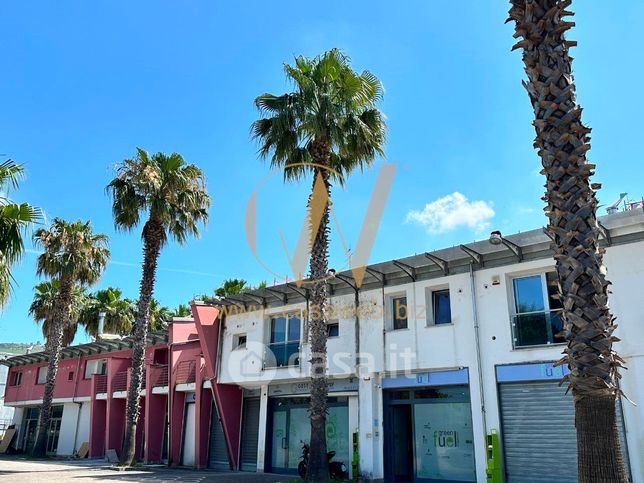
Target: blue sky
[{"x": 84, "y": 83}]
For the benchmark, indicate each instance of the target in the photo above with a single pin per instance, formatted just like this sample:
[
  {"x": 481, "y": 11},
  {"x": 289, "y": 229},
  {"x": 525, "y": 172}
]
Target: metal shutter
[
  {"x": 539, "y": 437},
  {"x": 250, "y": 434},
  {"x": 218, "y": 455}
]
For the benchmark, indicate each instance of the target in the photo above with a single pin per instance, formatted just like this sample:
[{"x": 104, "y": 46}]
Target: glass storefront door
[
  {"x": 429, "y": 434},
  {"x": 290, "y": 427}
]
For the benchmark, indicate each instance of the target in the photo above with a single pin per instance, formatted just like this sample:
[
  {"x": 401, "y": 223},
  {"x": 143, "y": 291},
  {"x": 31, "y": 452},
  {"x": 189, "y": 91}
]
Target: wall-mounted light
[{"x": 496, "y": 238}]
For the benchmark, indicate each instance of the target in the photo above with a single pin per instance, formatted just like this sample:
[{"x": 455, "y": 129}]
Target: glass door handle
[{"x": 284, "y": 445}]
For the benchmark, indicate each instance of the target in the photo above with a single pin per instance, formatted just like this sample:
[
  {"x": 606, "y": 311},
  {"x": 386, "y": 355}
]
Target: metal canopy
[
  {"x": 474, "y": 255},
  {"x": 98, "y": 347},
  {"x": 442, "y": 264},
  {"x": 408, "y": 269}
]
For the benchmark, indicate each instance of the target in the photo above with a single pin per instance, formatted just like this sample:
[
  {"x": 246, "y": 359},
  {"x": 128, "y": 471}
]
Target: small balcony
[
  {"x": 158, "y": 375},
  {"x": 537, "y": 329},
  {"x": 119, "y": 381},
  {"x": 185, "y": 372},
  {"x": 101, "y": 384},
  {"x": 282, "y": 355}
]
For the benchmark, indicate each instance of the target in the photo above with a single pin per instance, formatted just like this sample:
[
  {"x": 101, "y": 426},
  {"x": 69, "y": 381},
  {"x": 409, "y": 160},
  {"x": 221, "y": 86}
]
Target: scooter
[{"x": 337, "y": 469}]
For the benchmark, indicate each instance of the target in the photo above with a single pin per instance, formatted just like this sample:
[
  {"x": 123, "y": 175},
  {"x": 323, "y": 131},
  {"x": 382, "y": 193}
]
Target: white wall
[
  {"x": 432, "y": 348},
  {"x": 67, "y": 429}
]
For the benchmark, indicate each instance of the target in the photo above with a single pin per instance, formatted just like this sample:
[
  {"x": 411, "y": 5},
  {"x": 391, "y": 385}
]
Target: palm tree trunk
[
  {"x": 318, "y": 467},
  {"x": 54, "y": 347},
  {"x": 562, "y": 142},
  {"x": 152, "y": 236}
]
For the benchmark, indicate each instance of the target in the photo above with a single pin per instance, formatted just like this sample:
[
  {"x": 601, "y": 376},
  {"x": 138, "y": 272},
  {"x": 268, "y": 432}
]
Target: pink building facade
[{"x": 183, "y": 409}]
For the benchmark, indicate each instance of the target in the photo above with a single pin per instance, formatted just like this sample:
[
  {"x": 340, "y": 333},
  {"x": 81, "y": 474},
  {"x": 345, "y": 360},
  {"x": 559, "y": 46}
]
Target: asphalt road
[{"x": 17, "y": 469}]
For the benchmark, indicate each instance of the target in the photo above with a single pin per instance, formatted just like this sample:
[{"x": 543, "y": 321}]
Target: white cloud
[{"x": 453, "y": 211}]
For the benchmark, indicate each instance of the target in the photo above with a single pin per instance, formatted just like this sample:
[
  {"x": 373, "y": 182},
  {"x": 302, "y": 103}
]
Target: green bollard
[{"x": 493, "y": 470}]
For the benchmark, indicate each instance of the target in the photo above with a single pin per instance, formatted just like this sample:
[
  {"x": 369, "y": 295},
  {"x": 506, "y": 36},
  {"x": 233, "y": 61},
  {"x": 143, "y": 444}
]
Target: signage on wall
[
  {"x": 335, "y": 385},
  {"x": 439, "y": 378},
  {"x": 544, "y": 371}
]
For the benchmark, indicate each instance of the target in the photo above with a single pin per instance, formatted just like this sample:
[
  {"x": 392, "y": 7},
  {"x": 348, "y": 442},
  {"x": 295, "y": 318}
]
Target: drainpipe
[
  {"x": 80, "y": 404},
  {"x": 478, "y": 346}
]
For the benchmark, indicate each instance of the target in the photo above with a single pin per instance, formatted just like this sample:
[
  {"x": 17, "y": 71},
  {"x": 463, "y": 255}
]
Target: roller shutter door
[
  {"x": 218, "y": 455},
  {"x": 250, "y": 434},
  {"x": 539, "y": 436}
]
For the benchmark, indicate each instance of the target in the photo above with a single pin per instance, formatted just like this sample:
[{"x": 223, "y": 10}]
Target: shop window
[
  {"x": 536, "y": 318},
  {"x": 398, "y": 312},
  {"x": 239, "y": 341},
  {"x": 439, "y": 307},
  {"x": 284, "y": 341},
  {"x": 42, "y": 375},
  {"x": 95, "y": 366},
  {"x": 16, "y": 378},
  {"x": 333, "y": 329}
]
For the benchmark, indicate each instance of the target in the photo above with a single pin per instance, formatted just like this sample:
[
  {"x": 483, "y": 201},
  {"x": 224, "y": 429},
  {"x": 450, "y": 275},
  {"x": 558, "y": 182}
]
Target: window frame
[
  {"x": 46, "y": 368},
  {"x": 288, "y": 316},
  {"x": 514, "y": 313},
  {"x": 237, "y": 341},
  {"x": 101, "y": 368},
  {"x": 16, "y": 379},
  {"x": 390, "y": 300},
  {"x": 333, "y": 323},
  {"x": 430, "y": 305}
]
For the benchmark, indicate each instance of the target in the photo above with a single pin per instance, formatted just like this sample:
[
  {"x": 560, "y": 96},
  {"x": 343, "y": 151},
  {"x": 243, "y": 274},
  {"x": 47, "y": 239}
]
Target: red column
[
  {"x": 203, "y": 406},
  {"x": 97, "y": 409}
]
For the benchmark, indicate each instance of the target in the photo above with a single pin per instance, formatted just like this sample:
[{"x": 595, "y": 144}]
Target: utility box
[{"x": 493, "y": 470}]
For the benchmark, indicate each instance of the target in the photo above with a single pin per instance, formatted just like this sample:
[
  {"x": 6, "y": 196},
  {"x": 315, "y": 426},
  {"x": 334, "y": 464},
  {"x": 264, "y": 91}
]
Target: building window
[
  {"x": 239, "y": 341},
  {"x": 70, "y": 376},
  {"x": 285, "y": 341},
  {"x": 537, "y": 311},
  {"x": 16, "y": 378},
  {"x": 399, "y": 312},
  {"x": 333, "y": 329},
  {"x": 95, "y": 366},
  {"x": 42, "y": 375},
  {"x": 441, "y": 308}
]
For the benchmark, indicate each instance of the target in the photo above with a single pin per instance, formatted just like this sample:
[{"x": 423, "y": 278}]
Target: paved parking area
[{"x": 17, "y": 469}]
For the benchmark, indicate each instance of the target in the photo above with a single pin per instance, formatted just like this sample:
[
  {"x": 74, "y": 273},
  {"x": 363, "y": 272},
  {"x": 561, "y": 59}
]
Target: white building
[{"x": 472, "y": 354}]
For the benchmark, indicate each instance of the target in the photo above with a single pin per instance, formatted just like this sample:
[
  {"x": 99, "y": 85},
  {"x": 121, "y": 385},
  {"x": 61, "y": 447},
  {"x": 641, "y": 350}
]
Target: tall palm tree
[
  {"x": 327, "y": 126},
  {"x": 173, "y": 195},
  {"x": 119, "y": 312},
  {"x": 15, "y": 219},
  {"x": 563, "y": 141},
  {"x": 42, "y": 310},
  {"x": 73, "y": 255},
  {"x": 231, "y": 286}
]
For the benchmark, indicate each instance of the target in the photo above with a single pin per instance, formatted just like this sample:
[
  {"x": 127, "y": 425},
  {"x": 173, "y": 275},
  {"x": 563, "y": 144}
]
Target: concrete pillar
[
  {"x": 370, "y": 423},
  {"x": 261, "y": 438}
]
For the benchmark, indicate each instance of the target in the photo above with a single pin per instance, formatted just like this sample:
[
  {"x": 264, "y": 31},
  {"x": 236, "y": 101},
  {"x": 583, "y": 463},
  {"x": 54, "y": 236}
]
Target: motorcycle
[{"x": 337, "y": 469}]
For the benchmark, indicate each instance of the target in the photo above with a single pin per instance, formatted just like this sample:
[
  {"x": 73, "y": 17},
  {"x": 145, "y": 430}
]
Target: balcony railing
[
  {"x": 119, "y": 381},
  {"x": 101, "y": 384},
  {"x": 282, "y": 355},
  {"x": 537, "y": 328},
  {"x": 159, "y": 375},
  {"x": 185, "y": 372}
]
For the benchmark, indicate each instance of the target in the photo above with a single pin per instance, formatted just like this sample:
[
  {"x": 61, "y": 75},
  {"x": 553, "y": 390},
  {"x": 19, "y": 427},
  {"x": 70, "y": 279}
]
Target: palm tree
[
  {"x": 328, "y": 126},
  {"x": 231, "y": 286},
  {"x": 159, "y": 315},
  {"x": 119, "y": 312},
  {"x": 173, "y": 195},
  {"x": 42, "y": 310},
  {"x": 563, "y": 141},
  {"x": 182, "y": 310},
  {"x": 73, "y": 255},
  {"x": 15, "y": 219}
]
